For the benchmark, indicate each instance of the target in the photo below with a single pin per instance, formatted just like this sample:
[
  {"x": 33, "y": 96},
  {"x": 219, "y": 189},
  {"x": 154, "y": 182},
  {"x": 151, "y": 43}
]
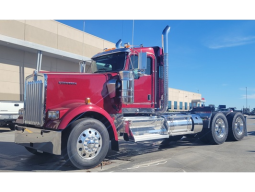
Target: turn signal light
[
  {"x": 87, "y": 101},
  {"x": 126, "y": 45},
  {"x": 109, "y": 49}
]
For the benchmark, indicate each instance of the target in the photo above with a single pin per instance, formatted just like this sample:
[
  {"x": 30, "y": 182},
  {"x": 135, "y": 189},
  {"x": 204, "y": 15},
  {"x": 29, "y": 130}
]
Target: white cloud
[
  {"x": 252, "y": 96},
  {"x": 231, "y": 42},
  {"x": 248, "y": 89}
]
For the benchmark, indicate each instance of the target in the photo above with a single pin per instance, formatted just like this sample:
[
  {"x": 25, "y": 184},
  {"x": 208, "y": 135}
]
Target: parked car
[{"x": 9, "y": 112}]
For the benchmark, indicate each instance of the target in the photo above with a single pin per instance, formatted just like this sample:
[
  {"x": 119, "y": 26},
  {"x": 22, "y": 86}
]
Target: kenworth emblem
[{"x": 67, "y": 83}]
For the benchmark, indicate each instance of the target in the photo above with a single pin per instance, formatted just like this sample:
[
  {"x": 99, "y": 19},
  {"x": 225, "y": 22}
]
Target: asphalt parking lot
[{"x": 186, "y": 155}]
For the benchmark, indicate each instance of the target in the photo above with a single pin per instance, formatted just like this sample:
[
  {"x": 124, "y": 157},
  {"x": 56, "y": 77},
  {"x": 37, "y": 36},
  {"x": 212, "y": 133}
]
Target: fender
[{"x": 83, "y": 108}]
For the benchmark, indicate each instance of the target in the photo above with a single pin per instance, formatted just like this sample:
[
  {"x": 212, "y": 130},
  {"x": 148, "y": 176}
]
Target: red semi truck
[{"x": 122, "y": 92}]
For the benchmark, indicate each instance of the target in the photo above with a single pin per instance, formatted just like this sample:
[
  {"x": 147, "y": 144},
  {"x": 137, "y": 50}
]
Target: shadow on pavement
[
  {"x": 131, "y": 149},
  {"x": 3, "y": 131},
  {"x": 26, "y": 161},
  {"x": 251, "y": 133}
]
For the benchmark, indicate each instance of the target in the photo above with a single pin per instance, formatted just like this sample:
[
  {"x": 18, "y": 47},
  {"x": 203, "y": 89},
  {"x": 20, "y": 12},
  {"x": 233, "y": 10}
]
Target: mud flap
[{"x": 245, "y": 134}]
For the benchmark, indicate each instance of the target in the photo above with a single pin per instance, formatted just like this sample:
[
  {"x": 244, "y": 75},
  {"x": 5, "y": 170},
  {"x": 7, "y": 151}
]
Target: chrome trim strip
[
  {"x": 142, "y": 103},
  {"x": 147, "y": 137},
  {"x": 138, "y": 110}
]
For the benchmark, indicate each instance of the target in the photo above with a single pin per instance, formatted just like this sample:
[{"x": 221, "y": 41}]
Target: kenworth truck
[{"x": 122, "y": 92}]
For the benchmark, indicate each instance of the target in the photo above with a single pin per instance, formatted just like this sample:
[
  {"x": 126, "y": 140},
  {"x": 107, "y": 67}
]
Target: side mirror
[{"x": 142, "y": 61}]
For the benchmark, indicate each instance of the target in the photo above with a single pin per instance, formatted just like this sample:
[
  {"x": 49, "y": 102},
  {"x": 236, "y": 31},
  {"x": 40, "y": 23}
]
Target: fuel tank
[
  {"x": 178, "y": 124},
  {"x": 141, "y": 128}
]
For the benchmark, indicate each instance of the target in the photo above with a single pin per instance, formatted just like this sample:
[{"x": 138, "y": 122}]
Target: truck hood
[{"x": 70, "y": 89}]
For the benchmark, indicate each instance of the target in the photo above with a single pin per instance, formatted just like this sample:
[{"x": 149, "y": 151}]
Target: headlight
[{"x": 53, "y": 114}]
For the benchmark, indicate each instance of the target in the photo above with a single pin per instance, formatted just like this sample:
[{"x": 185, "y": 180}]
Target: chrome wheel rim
[
  {"x": 220, "y": 128},
  {"x": 89, "y": 143},
  {"x": 239, "y": 126}
]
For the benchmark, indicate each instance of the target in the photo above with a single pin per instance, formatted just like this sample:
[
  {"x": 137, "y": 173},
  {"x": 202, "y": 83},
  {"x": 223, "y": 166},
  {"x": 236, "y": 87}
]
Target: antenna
[
  {"x": 133, "y": 33},
  {"x": 122, "y": 30}
]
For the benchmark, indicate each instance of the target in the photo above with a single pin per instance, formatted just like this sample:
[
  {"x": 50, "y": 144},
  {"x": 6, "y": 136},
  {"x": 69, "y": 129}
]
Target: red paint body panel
[
  {"x": 78, "y": 109},
  {"x": 87, "y": 85},
  {"x": 70, "y": 98}
]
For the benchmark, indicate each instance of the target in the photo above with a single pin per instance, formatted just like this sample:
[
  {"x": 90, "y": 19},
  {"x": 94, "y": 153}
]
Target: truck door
[{"x": 143, "y": 87}]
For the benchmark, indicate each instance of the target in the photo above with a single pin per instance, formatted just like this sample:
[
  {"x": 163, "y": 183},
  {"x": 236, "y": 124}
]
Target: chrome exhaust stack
[
  {"x": 165, "y": 51},
  {"x": 165, "y": 32}
]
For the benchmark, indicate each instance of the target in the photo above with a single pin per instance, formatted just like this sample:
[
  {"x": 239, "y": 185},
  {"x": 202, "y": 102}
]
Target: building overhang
[{"x": 34, "y": 48}]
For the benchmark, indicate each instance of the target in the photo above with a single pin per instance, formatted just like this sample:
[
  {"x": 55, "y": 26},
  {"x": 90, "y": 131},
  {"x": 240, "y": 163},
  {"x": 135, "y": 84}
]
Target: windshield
[{"x": 108, "y": 63}]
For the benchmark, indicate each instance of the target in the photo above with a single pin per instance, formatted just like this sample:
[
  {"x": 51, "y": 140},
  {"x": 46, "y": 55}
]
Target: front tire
[
  {"x": 237, "y": 126},
  {"x": 88, "y": 144}
]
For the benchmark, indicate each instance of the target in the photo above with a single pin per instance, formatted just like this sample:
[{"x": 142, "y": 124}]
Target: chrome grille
[{"x": 34, "y": 101}]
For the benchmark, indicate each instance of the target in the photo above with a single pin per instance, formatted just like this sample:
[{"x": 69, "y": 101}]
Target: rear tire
[
  {"x": 218, "y": 131},
  {"x": 88, "y": 144},
  {"x": 237, "y": 126}
]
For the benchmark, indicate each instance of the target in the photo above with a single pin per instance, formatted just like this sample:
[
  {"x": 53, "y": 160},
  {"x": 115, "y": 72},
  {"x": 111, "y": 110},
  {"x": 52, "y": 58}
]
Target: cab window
[{"x": 134, "y": 64}]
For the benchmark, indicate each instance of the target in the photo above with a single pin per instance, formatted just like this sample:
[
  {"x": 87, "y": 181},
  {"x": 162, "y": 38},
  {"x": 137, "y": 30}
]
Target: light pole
[{"x": 246, "y": 98}]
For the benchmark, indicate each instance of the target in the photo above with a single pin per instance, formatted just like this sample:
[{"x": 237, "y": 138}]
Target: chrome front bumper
[{"x": 40, "y": 139}]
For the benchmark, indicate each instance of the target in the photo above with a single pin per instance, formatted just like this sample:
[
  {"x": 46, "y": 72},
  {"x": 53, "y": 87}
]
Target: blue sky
[{"x": 213, "y": 57}]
